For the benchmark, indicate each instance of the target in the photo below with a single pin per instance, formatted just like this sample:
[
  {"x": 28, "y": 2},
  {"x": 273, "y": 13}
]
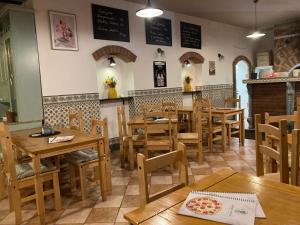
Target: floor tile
[
  {"x": 118, "y": 189},
  {"x": 131, "y": 201},
  {"x": 120, "y": 180},
  {"x": 103, "y": 215},
  {"x": 112, "y": 201},
  {"x": 161, "y": 180},
  {"x": 74, "y": 216},
  {"x": 132, "y": 190},
  {"x": 10, "y": 218}
]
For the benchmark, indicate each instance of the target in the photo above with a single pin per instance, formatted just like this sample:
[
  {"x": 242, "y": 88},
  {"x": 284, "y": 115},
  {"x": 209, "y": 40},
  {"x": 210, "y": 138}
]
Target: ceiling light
[
  {"x": 112, "y": 62},
  {"x": 256, "y": 34},
  {"x": 149, "y": 11},
  {"x": 187, "y": 63}
]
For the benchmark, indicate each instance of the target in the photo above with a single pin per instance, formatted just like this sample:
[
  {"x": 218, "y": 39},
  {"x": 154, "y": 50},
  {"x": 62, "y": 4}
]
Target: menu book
[
  {"x": 229, "y": 208},
  {"x": 60, "y": 139}
]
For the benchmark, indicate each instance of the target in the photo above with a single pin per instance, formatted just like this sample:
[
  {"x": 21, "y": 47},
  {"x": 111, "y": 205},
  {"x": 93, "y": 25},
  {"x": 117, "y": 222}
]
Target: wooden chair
[
  {"x": 170, "y": 107},
  {"x": 233, "y": 123},
  {"x": 194, "y": 138},
  {"x": 146, "y": 166},
  {"x": 159, "y": 142},
  {"x": 138, "y": 140},
  {"x": 3, "y": 192},
  {"x": 151, "y": 108},
  {"x": 295, "y": 166},
  {"x": 21, "y": 176},
  {"x": 86, "y": 159},
  {"x": 75, "y": 120},
  {"x": 264, "y": 149},
  {"x": 209, "y": 126}
]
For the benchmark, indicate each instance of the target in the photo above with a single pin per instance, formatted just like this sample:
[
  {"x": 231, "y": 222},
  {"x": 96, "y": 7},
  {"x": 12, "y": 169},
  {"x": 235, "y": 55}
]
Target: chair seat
[
  {"x": 187, "y": 136},
  {"x": 232, "y": 122},
  {"x": 25, "y": 170},
  {"x": 159, "y": 143},
  {"x": 82, "y": 156}
]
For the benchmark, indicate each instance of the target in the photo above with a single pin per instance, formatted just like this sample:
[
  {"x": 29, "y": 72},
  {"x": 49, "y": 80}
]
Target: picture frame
[
  {"x": 212, "y": 68},
  {"x": 160, "y": 73},
  {"x": 63, "y": 29}
]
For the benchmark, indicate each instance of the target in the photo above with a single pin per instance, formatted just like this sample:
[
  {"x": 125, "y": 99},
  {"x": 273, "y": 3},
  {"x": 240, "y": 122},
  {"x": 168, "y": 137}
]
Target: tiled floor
[{"x": 125, "y": 191}]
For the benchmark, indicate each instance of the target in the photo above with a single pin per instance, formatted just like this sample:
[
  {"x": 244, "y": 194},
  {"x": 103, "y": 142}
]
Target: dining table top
[
  {"x": 40, "y": 145},
  {"x": 137, "y": 120},
  {"x": 216, "y": 110},
  {"x": 280, "y": 202}
]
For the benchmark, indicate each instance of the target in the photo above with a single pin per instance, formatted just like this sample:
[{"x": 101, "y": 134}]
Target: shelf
[
  {"x": 112, "y": 100},
  {"x": 272, "y": 80}
]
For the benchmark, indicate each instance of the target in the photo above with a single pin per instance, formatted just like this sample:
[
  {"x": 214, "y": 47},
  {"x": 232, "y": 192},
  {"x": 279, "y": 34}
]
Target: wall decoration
[
  {"x": 190, "y": 35},
  {"x": 63, "y": 31},
  {"x": 110, "y": 23},
  {"x": 212, "y": 67},
  {"x": 159, "y": 31},
  {"x": 160, "y": 74}
]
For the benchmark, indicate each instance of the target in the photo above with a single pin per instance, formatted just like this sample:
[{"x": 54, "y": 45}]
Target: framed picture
[
  {"x": 63, "y": 31},
  {"x": 160, "y": 74},
  {"x": 212, "y": 68}
]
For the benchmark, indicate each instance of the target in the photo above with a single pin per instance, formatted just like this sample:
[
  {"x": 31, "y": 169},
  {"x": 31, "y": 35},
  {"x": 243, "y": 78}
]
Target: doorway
[{"x": 241, "y": 71}]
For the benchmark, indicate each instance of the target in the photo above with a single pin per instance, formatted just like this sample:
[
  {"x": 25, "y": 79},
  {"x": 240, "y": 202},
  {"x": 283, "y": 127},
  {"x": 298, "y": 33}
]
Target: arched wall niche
[
  {"x": 194, "y": 57},
  {"x": 115, "y": 50}
]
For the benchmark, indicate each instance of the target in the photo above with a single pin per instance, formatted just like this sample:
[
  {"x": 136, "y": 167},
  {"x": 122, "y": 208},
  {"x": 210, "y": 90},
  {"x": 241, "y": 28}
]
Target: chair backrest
[
  {"x": 295, "y": 118},
  {"x": 75, "y": 120},
  {"x": 205, "y": 107},
  {"x": 170, "y": 107},
  {"x": 8, "y": 151},
  {"x": 100, "y": 127},
  {"x": 232, "y": 102},
  {"x": 157, "y": 121},
  {"x": 295, "y": 168},
  {"x": 146, "y": 166},
  {"x": 263, "y": 148},
  {"x": 151, "y": 108},
  {"x": 121, "y": 123}
]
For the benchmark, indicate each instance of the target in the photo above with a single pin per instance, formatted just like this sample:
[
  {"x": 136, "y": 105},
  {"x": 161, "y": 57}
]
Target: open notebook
[{"x": 229, "y": 208}]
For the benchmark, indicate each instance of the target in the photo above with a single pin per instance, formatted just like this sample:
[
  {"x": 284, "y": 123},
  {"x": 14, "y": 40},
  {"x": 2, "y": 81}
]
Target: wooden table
[
  {"x": 38, "y": 148},
  {"x": 136, "y": 123},
  {"x": 223, "y": 114},
  {"x": 280, "y": 202}
]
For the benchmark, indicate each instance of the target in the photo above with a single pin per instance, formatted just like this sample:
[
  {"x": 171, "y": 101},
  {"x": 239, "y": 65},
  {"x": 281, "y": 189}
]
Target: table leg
[
  {"x": 224, "y": 133},
  {"x": 130, "y": 148},
  {"x": 102, "y": 173},
  {"x": 242, "y": 129},
  {"x": 108, "y": 166},
  {"x": 38, "y": 183},
  {"x": 190, "y": 122}
]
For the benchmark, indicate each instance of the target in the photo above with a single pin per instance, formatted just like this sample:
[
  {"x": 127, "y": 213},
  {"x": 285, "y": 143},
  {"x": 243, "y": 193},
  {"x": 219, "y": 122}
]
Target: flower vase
[
  {"x": 187, "y": 87},
  {"x": 112, "y": 92}
]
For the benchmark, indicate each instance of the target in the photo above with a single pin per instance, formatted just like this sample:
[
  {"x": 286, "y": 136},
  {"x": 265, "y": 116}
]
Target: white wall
[{"x": 74, "y": 72}]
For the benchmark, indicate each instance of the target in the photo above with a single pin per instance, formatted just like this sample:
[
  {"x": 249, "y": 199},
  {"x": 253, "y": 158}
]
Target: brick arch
[
  {"x": 192, "y": 56},
  {"x": 115, "y": 50}
]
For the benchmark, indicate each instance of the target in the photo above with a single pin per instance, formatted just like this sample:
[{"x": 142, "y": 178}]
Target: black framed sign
[
  {"x": 190, "y": 35},
  {"x": 110, "y": 23},
  {"x": 160, "y": 73},
  {"x": 158, "y": 31}
]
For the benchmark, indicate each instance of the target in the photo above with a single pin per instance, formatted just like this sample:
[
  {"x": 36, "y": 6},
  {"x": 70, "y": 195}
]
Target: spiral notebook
[{"x": 229, "y": 208}]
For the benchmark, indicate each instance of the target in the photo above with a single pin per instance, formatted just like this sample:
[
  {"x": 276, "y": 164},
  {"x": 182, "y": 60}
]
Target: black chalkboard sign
[
  {"x": 190, "y": 35},
  {"x": 110, "y": 23},
  {"x": 158, "y": 31}
]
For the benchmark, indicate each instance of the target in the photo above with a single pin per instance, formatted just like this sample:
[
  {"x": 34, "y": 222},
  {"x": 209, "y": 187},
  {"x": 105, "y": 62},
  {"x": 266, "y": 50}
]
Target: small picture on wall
[
  {"x": 160, "y": 74},
  {"x": 212, "y": 68},
  {"x": 63, "y": 31}
]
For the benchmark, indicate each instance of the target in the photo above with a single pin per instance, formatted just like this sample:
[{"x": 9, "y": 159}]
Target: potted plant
[
  {"x": 111, "y": 83},
  {"x": 188, "y": 83}
]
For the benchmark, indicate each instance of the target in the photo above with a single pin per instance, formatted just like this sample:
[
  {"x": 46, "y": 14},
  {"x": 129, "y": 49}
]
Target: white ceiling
[{"x": 235, "y": 12}]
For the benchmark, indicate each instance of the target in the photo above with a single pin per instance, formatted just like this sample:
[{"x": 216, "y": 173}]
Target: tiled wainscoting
[{"x": 56, "y": 108}]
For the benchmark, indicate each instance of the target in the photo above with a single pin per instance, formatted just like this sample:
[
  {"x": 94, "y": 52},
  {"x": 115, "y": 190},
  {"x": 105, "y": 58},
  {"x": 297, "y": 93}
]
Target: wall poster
[
  {"x": 160, "y": 73},
  {"x": 212, "y": 68}
]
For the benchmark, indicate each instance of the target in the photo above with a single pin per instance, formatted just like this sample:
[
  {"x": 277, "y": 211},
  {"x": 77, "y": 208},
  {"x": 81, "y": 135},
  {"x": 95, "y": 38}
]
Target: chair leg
[
  {"x": 229, "y": 134},
  {"x": 210, "y": 142},
  {"x": 200, "y": 153},
  {"x": 16, "y": 197},
  {"x": 122, "y": 155},
  {"x": 82, "y": 182},
  {"x": 57, "y": 198},
  {"x": 72, "y": 169},
  {"x": 10, "y": 199}
]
